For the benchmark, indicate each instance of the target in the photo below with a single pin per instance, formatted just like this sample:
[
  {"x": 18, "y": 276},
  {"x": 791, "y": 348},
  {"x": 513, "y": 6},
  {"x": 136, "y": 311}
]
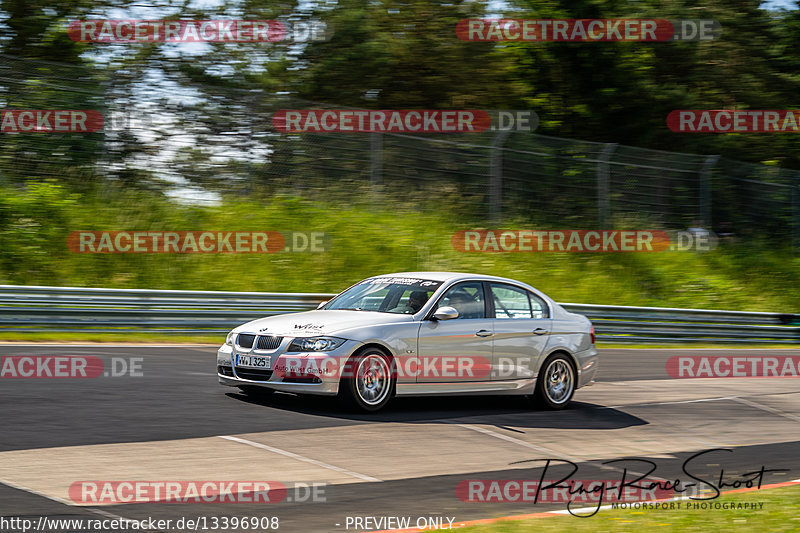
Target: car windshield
[{"x": 386, "y": 295}]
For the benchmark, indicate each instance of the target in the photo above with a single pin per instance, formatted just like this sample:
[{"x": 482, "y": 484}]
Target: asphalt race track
[{"x": 174, "y": 422}]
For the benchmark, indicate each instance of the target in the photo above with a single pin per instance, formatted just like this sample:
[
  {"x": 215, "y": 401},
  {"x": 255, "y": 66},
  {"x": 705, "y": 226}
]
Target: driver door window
[{"x": 467, "y": 299}]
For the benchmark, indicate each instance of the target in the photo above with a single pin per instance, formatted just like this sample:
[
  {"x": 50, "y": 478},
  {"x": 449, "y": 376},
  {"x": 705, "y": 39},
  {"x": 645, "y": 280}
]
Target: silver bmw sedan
[{"x": 414, "y": 334}]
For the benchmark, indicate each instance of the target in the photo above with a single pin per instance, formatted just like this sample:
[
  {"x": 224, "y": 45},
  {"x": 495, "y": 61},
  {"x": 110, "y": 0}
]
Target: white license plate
[{"x": 253, "y": 361}]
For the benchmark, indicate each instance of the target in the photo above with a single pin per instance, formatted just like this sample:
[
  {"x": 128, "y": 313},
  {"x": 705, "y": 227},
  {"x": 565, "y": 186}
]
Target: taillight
[{"x": 591, "y": 334}]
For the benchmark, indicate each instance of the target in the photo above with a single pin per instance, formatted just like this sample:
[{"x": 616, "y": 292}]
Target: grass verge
[
  {"x": 780, "y": 512},
  {"x": 367, "y": 237},
  {"x": 91, "y": 338}
]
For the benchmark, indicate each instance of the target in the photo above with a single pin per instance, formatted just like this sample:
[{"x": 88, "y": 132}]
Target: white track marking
[
  {"x": 513, "y": 440},
  {"x": 717, "y": 399},
  {"x": 519, "y": 442},
  {"x": 767, "y": 409},
  {"x": 42, "y": 494},
  {"x": 285, "y": 453}
]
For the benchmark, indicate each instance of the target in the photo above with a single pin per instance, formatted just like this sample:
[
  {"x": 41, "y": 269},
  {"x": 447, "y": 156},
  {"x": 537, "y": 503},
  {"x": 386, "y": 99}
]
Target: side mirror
[
  {"x": 446, "y": 313},
  {"x": 322, "y": 303}
]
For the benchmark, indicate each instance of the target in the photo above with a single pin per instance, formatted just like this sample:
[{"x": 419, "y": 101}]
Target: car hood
[{"x": 311, "y": 323}]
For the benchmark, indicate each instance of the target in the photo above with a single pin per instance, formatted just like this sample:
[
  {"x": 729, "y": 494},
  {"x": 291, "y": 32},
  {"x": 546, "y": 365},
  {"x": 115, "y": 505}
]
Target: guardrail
[{"x": 74, "y": 309}]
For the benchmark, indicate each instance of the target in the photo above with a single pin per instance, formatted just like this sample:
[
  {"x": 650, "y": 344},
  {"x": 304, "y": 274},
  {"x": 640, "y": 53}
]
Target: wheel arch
[
  {"x": 372, "y": 344},
  {"x": 570, "y": 357},
  {"x": 365, "y": 347},
  {"x": 346, "y": 383}
]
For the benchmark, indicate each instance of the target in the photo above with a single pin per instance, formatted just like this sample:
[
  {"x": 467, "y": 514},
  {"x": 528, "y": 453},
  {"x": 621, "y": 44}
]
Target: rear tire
[
  {"x": 368, "y": 382},
  {"x": 555, "y": 385}
]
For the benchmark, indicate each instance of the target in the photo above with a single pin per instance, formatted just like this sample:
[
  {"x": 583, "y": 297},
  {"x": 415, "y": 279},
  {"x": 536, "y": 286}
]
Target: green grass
[
  {"x": 780, "y": 512},
  {"x": 121, "y": 337},
  {"x": 368, "y": 237}
]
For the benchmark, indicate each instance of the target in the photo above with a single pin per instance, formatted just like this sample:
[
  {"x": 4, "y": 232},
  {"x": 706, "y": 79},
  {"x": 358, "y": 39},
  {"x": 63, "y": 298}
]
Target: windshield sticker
[{"x": 414, "y": 282}]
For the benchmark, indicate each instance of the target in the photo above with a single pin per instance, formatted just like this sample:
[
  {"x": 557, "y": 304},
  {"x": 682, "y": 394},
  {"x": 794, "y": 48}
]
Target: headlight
[
  {"x": 315, "y": 344},
  {"x": 229, "y": 339}
]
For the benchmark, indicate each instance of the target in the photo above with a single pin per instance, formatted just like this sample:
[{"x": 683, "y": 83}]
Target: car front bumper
[{"x": 301, "y": 373}]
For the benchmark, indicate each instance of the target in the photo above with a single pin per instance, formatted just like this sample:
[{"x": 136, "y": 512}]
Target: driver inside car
[
  {"x": 415, "y": 302},
  {"x": 462, "y": 303}
]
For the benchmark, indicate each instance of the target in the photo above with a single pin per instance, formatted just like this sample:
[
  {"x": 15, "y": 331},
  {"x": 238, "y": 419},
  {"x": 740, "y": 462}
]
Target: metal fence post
[
  {"x": 796, "y": 213},
  {"x": 705, "y": 190},
  {"x": 603, "y": 184},
  {"x": 496, "y": 175},
  {"x": 375, "y": 158}
]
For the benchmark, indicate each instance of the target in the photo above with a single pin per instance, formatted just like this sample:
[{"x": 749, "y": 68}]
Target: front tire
[
  {"x": 368, "y": 382},
  {"x": 555, "y": 385}
]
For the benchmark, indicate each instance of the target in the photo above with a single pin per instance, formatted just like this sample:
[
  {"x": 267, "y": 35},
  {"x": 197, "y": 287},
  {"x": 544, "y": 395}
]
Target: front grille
[
  {"x": 253, "y": 374},
  {"x": 245, "y": 340},
  {"x": 225, "y": 371},
  {"x": 268, "y": 342}
]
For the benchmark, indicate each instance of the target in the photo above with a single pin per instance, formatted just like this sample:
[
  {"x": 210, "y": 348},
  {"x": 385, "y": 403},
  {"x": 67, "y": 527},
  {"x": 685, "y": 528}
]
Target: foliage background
[{"x": 202, "y": 156}]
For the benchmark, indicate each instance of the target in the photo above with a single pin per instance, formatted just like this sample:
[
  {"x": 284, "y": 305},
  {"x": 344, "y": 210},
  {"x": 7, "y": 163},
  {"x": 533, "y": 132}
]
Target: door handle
[
  {"x": 484, "y": 333},
  {"x": 539, "y": 331}
]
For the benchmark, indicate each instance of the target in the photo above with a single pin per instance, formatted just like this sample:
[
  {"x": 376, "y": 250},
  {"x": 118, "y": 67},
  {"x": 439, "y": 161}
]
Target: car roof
[{"x": 445, "y": 276}]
